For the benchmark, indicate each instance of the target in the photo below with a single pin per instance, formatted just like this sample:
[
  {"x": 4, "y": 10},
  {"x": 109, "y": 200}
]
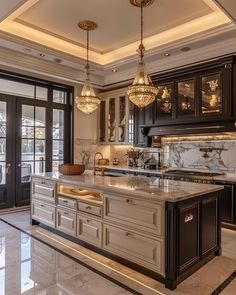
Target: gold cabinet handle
[
  {"x": 66, "y": 213},
  {"x": 65, "y": 201},
  {"x": 129, "y": 201},
  {"x": 42, "y": 205},
  {"x": 188, "y": 217},
  {"x": 88, "y": 207},
  {"x": 88, "y": 220},
  {"x": 128, "y": 234}
]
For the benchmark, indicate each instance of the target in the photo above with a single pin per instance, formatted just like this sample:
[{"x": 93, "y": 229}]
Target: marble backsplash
[{"x": 187, "y": 154}]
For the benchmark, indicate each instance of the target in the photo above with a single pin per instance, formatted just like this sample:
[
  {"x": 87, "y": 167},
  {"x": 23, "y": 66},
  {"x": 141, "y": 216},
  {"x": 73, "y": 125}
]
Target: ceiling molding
[{"x": 196, "y": 26}]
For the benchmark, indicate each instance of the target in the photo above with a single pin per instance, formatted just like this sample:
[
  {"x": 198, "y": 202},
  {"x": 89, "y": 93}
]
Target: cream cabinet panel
[
  {"x": 66, "y": 221},
  {"x": 44, "y": 190},
  {"x": 43, "y": 213},
  {"x": 134, "y": 247},
  {"x": 134, "y": 213},
  {"x": 67, "y": 202},
  {"x": 89, "y": 230},
  {"x": 91, "y": 209}
]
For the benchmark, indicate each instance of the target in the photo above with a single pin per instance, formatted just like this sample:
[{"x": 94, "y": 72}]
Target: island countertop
[{"x": 140, "y": 186}]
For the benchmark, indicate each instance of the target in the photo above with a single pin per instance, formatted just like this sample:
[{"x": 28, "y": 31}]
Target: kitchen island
[{"x": 163, "y": 228}]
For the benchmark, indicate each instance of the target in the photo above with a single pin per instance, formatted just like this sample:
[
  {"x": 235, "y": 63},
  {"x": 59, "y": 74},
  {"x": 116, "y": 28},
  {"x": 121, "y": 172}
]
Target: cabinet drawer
[
  {"x": 70, "y": 203},
  {"x": 89, "y": 230},
  {"x": 44, "y": 190},
  {"x": 88, "y": 208},
  {"x": 43, "y": 213},
  {"x": 134, "y": 247},
  {"x": 138, "y": 214},
  {"x": 66, "y": 221}
]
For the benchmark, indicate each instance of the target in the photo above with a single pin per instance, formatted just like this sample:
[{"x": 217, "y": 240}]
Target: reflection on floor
[{"x": 53, "y": 273}]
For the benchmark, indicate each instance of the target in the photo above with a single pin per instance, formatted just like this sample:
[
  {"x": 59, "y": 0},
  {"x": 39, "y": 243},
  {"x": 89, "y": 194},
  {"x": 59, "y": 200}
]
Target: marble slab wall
[{"x": 187, "y": 154}]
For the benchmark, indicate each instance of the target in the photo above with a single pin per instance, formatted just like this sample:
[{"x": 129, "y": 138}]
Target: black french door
[{"x": 34, "y": 138}]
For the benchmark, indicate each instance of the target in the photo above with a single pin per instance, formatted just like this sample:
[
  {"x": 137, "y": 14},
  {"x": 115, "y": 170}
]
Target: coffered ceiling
[{"x": 50, "y": 27}]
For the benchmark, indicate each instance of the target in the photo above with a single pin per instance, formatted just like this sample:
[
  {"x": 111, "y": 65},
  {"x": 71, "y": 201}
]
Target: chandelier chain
[{"x": 87, "y": 62}]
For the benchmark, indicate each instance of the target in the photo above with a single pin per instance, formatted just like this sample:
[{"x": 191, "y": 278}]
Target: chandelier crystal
[
  {"x": 142, "y": 92},
  {"x": 87, "y": 102}
]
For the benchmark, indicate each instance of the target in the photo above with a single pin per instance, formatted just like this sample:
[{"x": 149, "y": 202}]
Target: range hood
[{"x": 202, "y": 128}]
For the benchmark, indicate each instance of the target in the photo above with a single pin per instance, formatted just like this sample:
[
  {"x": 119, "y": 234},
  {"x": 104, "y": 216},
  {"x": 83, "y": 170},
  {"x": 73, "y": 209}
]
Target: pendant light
[
  {"x": 87, "y": 102},
  {"x": 142, "y": 92}
]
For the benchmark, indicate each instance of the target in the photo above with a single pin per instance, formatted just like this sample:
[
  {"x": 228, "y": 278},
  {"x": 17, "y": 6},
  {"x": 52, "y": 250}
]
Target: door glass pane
[
  {"x": 40, "y": 166},
  {"x": 59, "y": 96},
  {"x": 2, "y": 173},
  {"x": 41, "y": 93},
  {"x": 40, "y": 116},
  {"x": 131, "y": 123},
  {"x": 2, "y": 149},
  {"x": 27, "y": 115},
  {"x": 27, "y": 132},
  {"x": 27, "y": 149},
  {"x": 39, "y": 132},
  {"x": 111, "y": 120},
  {"x": 58, "y": 149},
  {"x": 26, "y": 169},
  {"x": 39, "y": 149},
  {"x": 164, "y": 101},
  {"x": 58, "y": 124}
]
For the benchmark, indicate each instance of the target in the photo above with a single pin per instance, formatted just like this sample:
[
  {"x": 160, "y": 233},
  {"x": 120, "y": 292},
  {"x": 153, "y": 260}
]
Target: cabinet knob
[
  {"x": 88, "y": 207},
  {"x": 128, "y": 234},
  {"x": 42, "y": 205},
  {"x": 42, "y": 182},
  {"x": 88, "y": 220}
]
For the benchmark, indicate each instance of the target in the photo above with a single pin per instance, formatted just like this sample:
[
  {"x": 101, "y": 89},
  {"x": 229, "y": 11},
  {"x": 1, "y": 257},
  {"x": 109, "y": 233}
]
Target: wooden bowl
[{"x": 71, "y": 169}]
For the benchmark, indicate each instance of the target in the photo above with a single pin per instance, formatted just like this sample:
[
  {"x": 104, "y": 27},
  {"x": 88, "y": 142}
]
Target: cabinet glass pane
[
  {"x": 186, "y": 97},
  {"x": 211, "y": 96},
  {"x": 122, "y": 119},
  {"x": 164, "y": 101},
  {"x": 111, "y": 120},
  {"x": 102, "y": 121}
]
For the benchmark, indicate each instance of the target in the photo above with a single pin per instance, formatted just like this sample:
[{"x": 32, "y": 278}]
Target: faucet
[{"x": 94, "y": 161}]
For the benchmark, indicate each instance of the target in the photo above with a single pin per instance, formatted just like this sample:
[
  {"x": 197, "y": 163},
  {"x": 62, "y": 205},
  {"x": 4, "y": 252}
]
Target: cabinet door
[
  {"x": 43, "y": 213},
  {"x": 102, "y": 129},
  {"x": 66, "y": 221},
  {"x": 211, "y": 96},
  {"x": 111, "y": 120},
  {"x": 186, "y": 101},
  {"x": 188, "y": 236},
  {"x": 164, "y": 102},
  {"x": 209, "y": 230},
  {"x": 227, "y": 203},
  {"x": 89, "y": 230}
]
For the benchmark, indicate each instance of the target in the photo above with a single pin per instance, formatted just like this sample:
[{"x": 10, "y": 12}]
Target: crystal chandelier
[
  {"x": 87, "y": 102},
  {"x": 142, "y": 92}
]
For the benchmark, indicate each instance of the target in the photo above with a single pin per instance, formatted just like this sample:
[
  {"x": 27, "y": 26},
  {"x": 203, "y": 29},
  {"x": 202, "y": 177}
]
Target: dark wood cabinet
[
  {"x": 197, "y": 94},
  {"x": 228, "y": 203}
]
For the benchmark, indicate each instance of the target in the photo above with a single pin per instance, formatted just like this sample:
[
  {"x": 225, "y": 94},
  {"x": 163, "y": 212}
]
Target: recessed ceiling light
[
  {"x": 184, "y": 49},
  {"x": 166, "y": 54},
  {"x": 41, "y": 54},
  {"x": 114, "y": 70},
  {"x": 58, "y": 60}
]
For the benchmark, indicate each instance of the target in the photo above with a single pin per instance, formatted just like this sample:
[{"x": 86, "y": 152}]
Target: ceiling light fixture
[
  {"x": 87, "y": 102},
  {"x": 142, "y": 92}
]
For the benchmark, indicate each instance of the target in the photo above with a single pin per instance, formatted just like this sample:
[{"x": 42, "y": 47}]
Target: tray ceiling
[{"x": 53, "y": 25}]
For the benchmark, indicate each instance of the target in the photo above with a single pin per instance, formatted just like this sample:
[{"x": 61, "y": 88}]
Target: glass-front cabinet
[
  {"x": 186, "y": 102},
  {"x": 164, "y": 101},
  {"x": 116, "y": 118},
  {"x": 211, "y": 94}
]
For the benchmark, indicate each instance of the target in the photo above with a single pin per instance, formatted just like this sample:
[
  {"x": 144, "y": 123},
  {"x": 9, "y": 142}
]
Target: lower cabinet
[
  {"x": 66, "y": 221},
  {"x": 43, "y": 213},
  {"x": 89, "y": 230},
  {"x": 134, "y": 247}
]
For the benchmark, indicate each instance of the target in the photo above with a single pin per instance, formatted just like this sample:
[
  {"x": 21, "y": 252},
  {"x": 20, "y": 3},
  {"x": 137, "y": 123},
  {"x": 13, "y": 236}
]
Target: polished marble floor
[{"x": 32, "y": 267}]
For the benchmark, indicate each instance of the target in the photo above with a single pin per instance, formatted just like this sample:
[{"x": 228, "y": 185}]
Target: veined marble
[
  {"x": 187, "y": 154},
  {"x": 145, "y": 187}
]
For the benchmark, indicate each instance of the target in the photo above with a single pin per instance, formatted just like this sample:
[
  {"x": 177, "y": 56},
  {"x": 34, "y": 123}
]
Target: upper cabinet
[
  {"x": 116, "y": 118},
  {"x": 193, "y": 95}
]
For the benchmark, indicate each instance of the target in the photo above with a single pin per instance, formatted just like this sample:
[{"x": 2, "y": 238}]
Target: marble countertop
[
  {"x": 140, "y": 186},
  {"x": 226, "y": 176}
]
